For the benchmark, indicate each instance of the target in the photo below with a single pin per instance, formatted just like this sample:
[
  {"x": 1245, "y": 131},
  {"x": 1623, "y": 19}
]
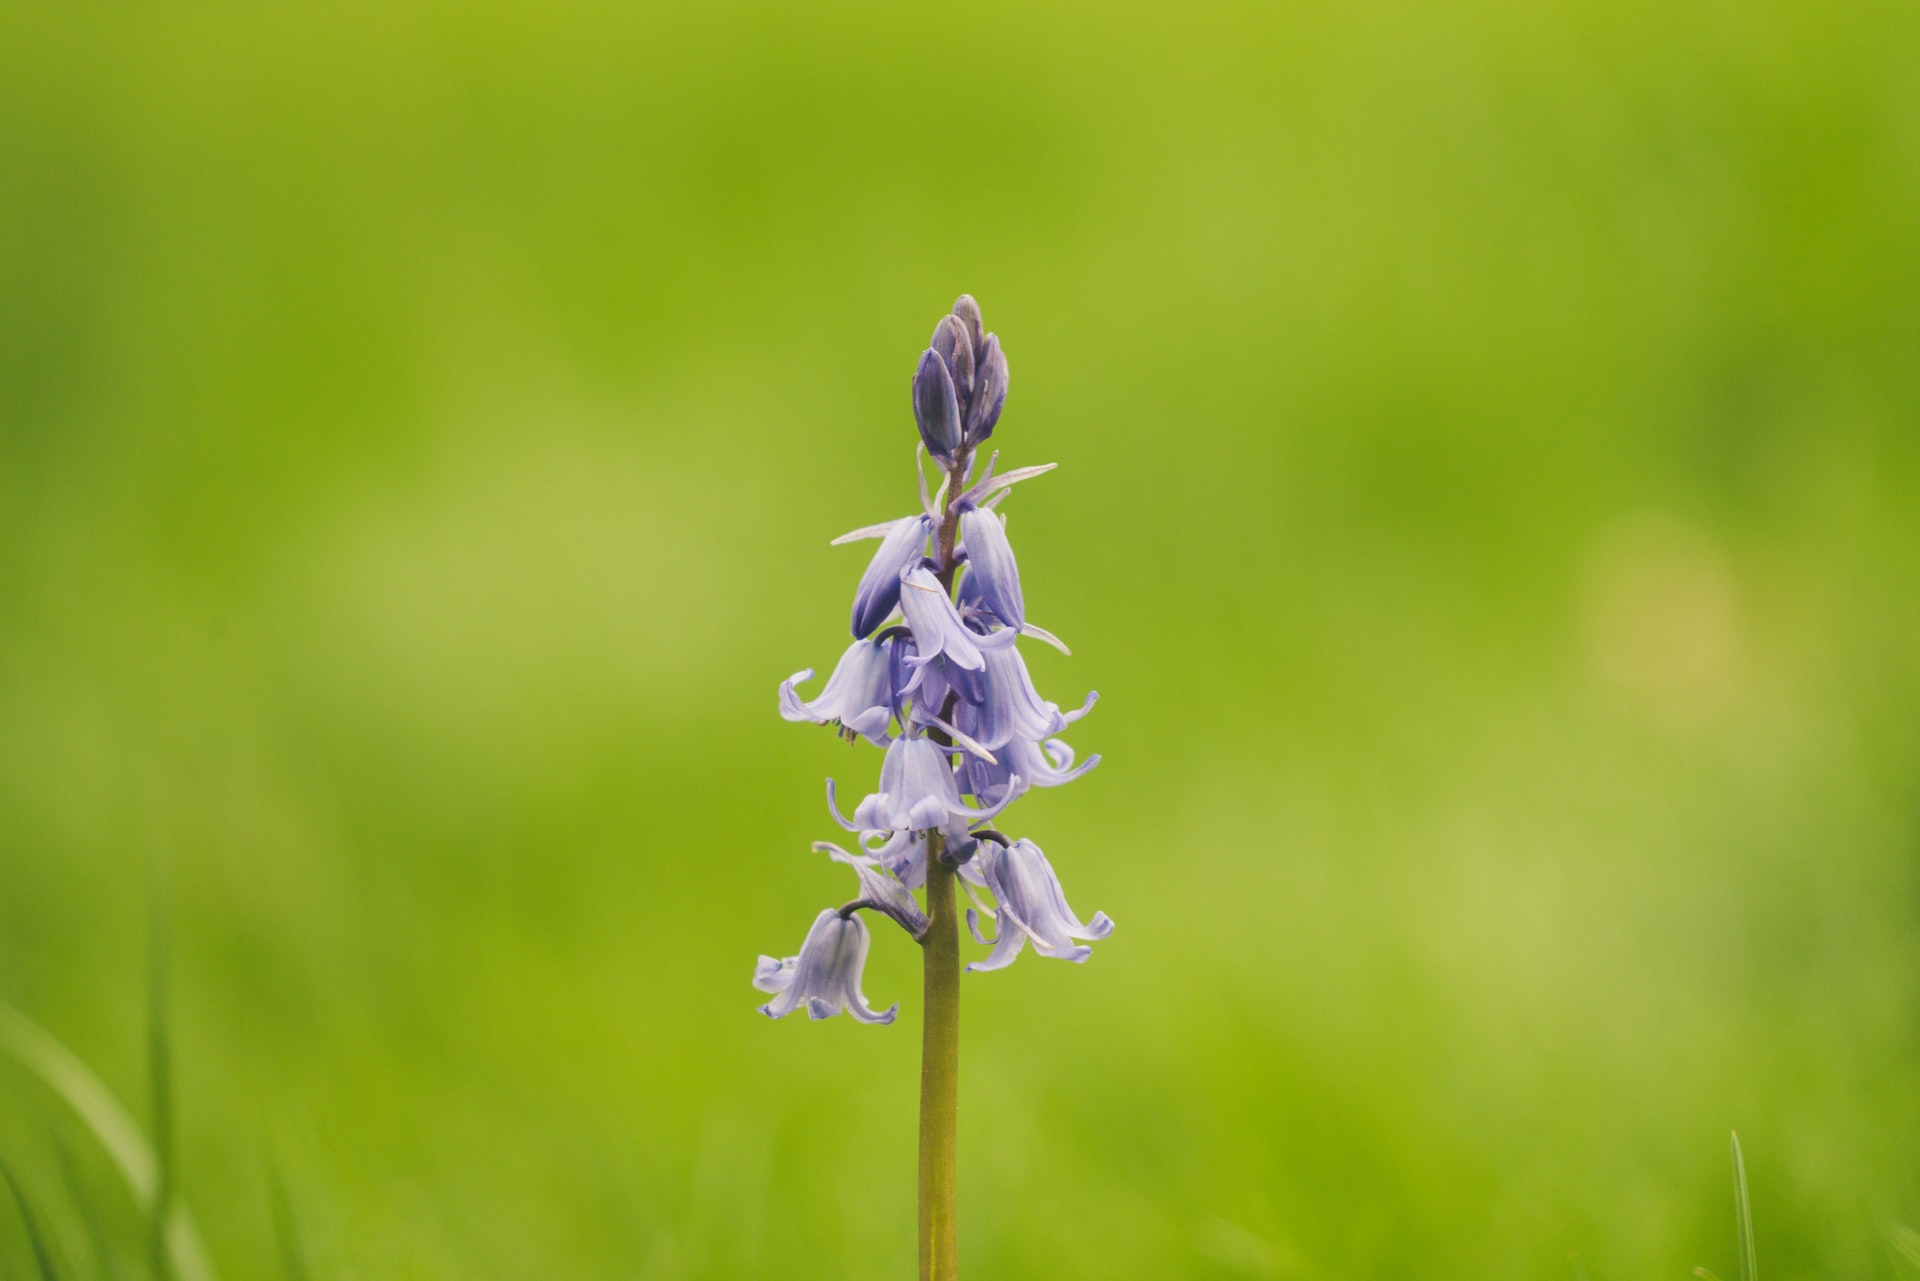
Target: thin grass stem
[
  {"x": 1743, "y": 1208},
  {"x": 37, "y": 1239}
]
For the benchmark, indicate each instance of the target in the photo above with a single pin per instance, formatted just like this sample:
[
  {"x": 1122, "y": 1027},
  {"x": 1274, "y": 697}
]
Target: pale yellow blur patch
[{"x": 1663, "y": 620}]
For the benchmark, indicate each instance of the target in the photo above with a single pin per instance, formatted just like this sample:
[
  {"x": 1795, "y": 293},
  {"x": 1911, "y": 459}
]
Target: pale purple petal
[
  {"x": 879, "y": 590},
  {"x": 990, "y": 562}
]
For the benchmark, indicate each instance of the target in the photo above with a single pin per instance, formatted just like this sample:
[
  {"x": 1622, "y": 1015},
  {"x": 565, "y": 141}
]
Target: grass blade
[
  {"x": 1748, "y": 1269},
  {"x": 112, "y": 1125},
  {"x": 42, "y": 1248},
  {"x": 86, "y": 1094},
  {"x": 286, "y": 1228},
  {"x": 106, "y": 1265},
  {"x": 1906, "y": 1243},
  {"x": 159, "y": 1064}
]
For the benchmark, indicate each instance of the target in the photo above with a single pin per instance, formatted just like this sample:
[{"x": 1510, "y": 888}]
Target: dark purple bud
[
  {"x": 955, "y": 346},
  {"x": 936, "y": 407},
  {"x": 989, "y": 391},
  {"x": 968, "y": 313}
]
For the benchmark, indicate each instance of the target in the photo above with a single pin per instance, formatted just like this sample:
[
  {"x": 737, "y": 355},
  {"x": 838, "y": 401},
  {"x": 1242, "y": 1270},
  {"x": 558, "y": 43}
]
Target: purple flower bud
[
  {"x": 879, "y": 590},
  {"x": 955, "y": 345},
  {"x": 936, "y": 405},
  {"x": 968, "y": 313},
  {"x": 989, "y": 391},
  {"x": 825, "y": 977},
  {"x": 917, "y": 791}
]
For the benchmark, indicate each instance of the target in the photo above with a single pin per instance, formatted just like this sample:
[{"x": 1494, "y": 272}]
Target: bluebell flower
[
  {"x": 917, "y": 792},
  {"x": 825, "y": 977},
  {"x": 859, "y": 696},
  {"x": 1048, "y": 764},
  {"x": 993, "y": 576},
  {"x": 936, "y": 625},
  {"x": 1010, "y": 707},
  {"x": 1032, "y": 908},
  {"x": 903, "y": 543}
]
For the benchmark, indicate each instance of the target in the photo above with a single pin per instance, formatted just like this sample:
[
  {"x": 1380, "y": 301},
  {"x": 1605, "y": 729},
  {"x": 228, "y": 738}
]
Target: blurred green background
[{"x": 1487, "y": 505}]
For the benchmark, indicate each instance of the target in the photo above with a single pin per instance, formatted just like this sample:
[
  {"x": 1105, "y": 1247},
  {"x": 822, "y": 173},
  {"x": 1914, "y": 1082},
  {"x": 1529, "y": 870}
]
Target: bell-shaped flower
[
  {"x": 1032, "y": 908},
  {"x": 917, "y": 791},
  {"x": 991, "y": 571},
  {"x": 936, "y": 405},
  {"x": 859, "y": 695},
  {"x": 825, "y": 977},
  {"x": 1047, "y": 764},
  {"x": 1010, "y": 707},
  {"x": 936, "y": 625},
  {"x": 902, "y": 544}
]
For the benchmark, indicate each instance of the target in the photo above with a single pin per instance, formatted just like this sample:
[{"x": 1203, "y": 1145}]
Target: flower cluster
[{"x": 934, "y": 676}]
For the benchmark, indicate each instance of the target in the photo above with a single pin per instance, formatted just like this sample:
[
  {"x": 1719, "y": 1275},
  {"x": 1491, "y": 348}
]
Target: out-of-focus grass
[{"x": 1486, "y": 506}]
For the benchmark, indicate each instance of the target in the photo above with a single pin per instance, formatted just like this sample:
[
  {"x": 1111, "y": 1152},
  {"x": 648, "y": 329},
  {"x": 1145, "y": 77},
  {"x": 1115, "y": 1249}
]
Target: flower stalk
[
  {"x": 934, "y": 679},
  {"x": 940, "y": 1074}
]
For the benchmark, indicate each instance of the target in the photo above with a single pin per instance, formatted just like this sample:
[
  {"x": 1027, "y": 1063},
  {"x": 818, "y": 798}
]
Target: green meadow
[{"x": 1488, "y": 506}]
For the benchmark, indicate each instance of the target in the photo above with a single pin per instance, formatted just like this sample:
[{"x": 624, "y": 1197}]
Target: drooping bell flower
[
  {"x": 1010, "y": 707},
  {"x": 917, "y": 792},
  {"x": 859, "y": 697},
  {"x": 1048, "y": 764},
  {"x": 936, "y": 625},
  {"x": 902, "y": 544},
  {"x": 1032, "y": 908},
  {"x": 825, "y": 976},
  {"x": 991, "y": 571}
]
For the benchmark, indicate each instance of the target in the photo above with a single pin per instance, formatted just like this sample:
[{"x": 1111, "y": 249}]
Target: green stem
[{"x": 939, "y": 1073}]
